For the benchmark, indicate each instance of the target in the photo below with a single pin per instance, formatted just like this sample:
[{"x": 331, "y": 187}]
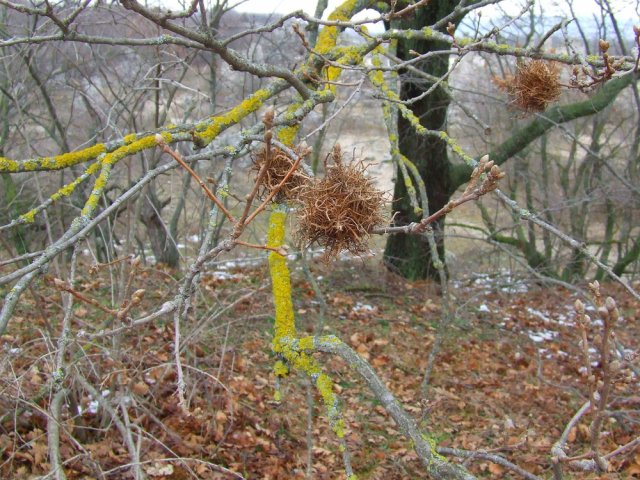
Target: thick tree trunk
[{"x": 409, "y": 255}]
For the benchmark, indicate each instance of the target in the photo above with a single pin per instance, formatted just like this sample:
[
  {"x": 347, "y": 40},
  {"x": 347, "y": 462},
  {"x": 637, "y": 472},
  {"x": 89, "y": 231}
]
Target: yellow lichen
[
  {"x": 111, "y": 159},
  {"x": 433, "y": 446},
  {"x": 93, "y": 168},
  {"x": 325, "y": 387},
  {"x": 52, "y": 163},
  {"x": 211, "y": 129},
  {"x": 339, "y": 428},
  {"x": 306, "y": 343},
  {"x": 288, "y": 134},
  {"x": 328, "y": 38},
  {"x": 73, "y": 158},
  {"x": 129, "y": 138},
  {"x": 67, "y": 190},
  {"x": 7, "y": 165},
  {"x": 280, "y": 369},
  {"x": 223, "y": 192},
  {"x": 280, "y": 279},
  {"x": 29, "y": 217}
]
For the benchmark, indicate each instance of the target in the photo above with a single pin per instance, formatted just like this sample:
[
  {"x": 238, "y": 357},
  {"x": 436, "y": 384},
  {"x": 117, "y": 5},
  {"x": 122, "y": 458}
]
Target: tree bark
[
  {"x": 163, "y": 246},
  {"x": 409, "y": 255}
]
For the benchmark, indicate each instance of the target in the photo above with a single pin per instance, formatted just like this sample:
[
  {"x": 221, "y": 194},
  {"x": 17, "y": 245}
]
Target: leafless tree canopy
[{"x": 142, "y": 144}]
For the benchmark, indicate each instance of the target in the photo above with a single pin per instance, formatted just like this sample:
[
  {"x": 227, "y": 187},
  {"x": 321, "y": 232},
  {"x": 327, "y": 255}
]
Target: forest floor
[{"x": 508, "y": 378}]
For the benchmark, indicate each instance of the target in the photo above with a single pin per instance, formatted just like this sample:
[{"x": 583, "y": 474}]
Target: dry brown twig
[
  {"x": 586, "y": 79},
  {"x": 119, "y": 313},
  {"x": 484, "y": 179},
  {"x": 267, "y": 120},
  {"x": 600, "y": 383},
  {"x": 278, "y": 174},
  {"x": 178, "y": 158}
]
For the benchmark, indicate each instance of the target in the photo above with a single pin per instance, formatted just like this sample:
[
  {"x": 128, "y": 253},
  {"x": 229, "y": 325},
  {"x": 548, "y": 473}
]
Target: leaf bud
[
  {"x": 451, "y": 28},
  {"x": 604, "y": 313},
  {"x": 604, "y": 45},
  {"x": 497, "y": 173},
  {"x": 615, "y": 366},
  {"x": 137, "y": 296},
  {"x": 610, "y": 303}
]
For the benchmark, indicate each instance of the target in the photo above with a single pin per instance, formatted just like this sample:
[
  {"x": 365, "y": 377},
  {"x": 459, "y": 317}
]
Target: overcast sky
[
  {"x": 584, "y": 7},
  {"x": 626, "y": 10}
]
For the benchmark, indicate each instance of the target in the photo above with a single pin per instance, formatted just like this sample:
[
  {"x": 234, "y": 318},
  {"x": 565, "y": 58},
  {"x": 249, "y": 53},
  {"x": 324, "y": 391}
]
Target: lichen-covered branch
[{"x": 436, "y": 465}]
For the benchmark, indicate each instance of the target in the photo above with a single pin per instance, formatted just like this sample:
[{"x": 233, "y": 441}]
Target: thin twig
[{"x": 178, "y": 158}]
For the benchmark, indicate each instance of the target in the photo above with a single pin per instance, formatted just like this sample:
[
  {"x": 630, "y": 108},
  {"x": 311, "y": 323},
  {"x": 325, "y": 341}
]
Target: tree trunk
[
  {"x": 163, "y": 246},
  {"x": 409, "y": 255}
]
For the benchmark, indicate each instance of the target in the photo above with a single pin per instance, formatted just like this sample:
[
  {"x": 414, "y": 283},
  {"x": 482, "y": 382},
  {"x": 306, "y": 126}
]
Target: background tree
[{"x": 409, "y": 254}]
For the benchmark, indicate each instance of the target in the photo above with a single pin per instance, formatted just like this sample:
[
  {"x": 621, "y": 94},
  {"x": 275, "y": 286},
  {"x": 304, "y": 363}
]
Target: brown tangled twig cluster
[
  {"x": 340, "y": 211},
  {"x": 278, "y": 165},
  {"x": 534, "y": 86}
]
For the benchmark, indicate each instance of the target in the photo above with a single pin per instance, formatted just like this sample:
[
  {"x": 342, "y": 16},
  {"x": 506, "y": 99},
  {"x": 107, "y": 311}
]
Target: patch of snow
[
  {"x": 564, "y": 320},
  {"x": 362, "y": 307},
  {"x": 218, "y": 275},
  {"x": 93, "y": 407},
  {"x": 542, "y": 336},
  {"x": 517, "y": 287},
  {"x": 539, "y": 314}
]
